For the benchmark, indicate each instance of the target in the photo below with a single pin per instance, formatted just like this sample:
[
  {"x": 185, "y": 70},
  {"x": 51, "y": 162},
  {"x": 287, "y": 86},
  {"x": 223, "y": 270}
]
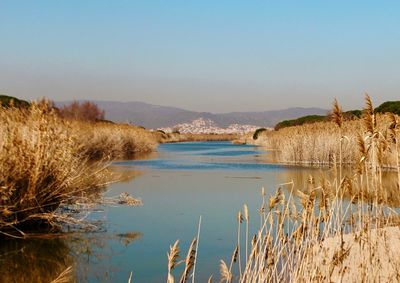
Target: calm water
[{"x": 177, "y": 184}]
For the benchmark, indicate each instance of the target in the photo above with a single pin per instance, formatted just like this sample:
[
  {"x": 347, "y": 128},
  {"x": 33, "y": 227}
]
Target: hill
[
  {"x": 155, "y": 116},
  {"x": 389, "y": 106},
  {"x": 300, "y": 121},
  {"x": 6, "y": 101}
]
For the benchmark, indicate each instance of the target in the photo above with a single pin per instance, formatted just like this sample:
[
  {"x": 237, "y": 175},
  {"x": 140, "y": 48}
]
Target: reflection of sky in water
[
  {"x": 177, "y": 185},
  {"x": 182, "y": 182},
  {"x": 185, "y": 165},
  {"x": 204, "y": 156}
]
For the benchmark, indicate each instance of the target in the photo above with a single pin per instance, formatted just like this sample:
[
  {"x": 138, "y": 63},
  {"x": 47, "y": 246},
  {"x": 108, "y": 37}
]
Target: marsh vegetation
[
  {"x": 48, "y": 162},
  {"x": 342, "y": 229},
  {"x": 311, "y": 229},
  {"x": 317, "y": 143}
]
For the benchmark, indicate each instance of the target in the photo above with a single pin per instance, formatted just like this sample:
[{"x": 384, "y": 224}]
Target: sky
[{"x": 204, "y": 55}]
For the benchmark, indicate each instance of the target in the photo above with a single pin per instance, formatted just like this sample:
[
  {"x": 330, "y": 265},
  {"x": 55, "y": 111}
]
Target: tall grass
[
  {"x": 342, "y": 229},
  {"x": 324, "y": 239},
  {"x": 316, "y": 144},
  {"x": 47, "y": 162},
  {"x": 102, "y": 141}
]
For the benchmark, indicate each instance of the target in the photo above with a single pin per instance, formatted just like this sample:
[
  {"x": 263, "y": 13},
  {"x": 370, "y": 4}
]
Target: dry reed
[
  {"x": 316, "y": 144},
  {"x": 47, "y": 162},
  {"x": 108, "y": 141},
  {"x": 342, "y": 229}
]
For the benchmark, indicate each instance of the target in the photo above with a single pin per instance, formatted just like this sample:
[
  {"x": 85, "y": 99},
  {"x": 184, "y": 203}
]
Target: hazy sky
[{"x": 207, "y": 55}]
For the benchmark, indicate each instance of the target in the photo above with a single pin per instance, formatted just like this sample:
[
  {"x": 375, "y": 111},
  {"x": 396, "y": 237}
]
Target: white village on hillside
[{"x": 207, "y": 126}]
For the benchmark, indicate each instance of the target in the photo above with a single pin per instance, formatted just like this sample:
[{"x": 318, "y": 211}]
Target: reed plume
[
  {"x": 173, "y": 256},
  {"x": 337, "y": 116},
  {"x": 246, "y": 217},
  {"x": 352, "y": 235},
  {"x": 239, "y": 220},
  {"x": 189, "y": 261},
  {"x": 369, "y": 115},
  {"x": 337, "y": 113},
  {"x": 226, "y": 275},
  {"x": 234, "y": 257},
  {"x": 64, "y": 276}
]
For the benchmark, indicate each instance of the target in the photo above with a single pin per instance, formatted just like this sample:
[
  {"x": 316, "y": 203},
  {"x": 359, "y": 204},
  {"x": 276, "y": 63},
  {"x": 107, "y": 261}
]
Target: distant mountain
[{"x": 154, "y": 116}]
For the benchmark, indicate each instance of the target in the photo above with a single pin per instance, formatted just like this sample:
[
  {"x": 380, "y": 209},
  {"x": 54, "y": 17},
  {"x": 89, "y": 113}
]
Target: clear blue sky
[{"x": 202, "y": 55}]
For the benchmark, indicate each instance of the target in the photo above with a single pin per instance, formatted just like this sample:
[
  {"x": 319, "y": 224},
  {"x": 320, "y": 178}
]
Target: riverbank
[
  {"x": 325, "y": 143},
  {"x": 49, "y": 162},
  {"x": 324, "y": 239},
  {"x": 177, "y": 137},
  {"x": 358, "y": 257},
  {"x": 341, "y": 228}
]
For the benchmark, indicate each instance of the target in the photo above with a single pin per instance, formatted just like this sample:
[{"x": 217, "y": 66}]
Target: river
[{"x": 178, "y": 184}]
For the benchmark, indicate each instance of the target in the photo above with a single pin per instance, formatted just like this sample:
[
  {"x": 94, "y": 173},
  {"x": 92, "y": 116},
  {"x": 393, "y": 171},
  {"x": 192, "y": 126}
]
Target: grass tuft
[{"x": 48, "y": 163}]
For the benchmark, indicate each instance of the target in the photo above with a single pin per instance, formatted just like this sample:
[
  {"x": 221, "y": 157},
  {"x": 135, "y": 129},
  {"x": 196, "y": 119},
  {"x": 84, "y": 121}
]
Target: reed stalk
[{"x": 336, "y": 230}]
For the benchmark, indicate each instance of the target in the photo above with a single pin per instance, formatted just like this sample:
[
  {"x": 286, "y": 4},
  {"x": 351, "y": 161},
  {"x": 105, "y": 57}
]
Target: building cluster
[{"x": 207, "y": 126}]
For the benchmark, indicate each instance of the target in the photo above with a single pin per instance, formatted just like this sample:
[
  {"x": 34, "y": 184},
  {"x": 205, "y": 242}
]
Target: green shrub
[
  {"x": 300, "y": 121},
  {"x": 389, "y": 106},
  {"x": 349, "y": 115},
  {"x": 257, "y": 132},
  {"x": 7, "y": 101}
]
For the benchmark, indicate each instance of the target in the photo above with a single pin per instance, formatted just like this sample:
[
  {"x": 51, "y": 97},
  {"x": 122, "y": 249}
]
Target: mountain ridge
[{"x": 157, "y": 116}]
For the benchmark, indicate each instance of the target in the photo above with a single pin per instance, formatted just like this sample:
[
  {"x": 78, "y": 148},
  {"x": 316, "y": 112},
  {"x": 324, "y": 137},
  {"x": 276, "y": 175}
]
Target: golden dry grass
[
  {"x": 102, "y": 141},
  {"x": 319, "y": 239},
  {"x": 47, "y": 162},
  {"x": 320, "y": 235},
  {"x": 341, "y": 229},
  {"x": 317, "y": 143}
]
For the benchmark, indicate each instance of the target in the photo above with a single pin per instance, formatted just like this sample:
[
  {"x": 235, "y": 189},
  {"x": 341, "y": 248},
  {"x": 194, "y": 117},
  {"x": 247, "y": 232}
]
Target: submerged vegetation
[{"x": 343, "y": 229}]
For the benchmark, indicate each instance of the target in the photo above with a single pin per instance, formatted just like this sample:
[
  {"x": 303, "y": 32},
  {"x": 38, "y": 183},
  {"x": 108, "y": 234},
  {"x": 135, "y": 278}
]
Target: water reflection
[
  {"x": 127, "y": 238},
  {"x": 184, "y": 181},
  {"x": 93, "y": 254},
  {"x": 89, "y": 250},
  {"x": 302, "y": 177},
  {"x": 44, "y": 257},
  {"x": 33, "y": 260},
  {"x": 177, "y": 184}
]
